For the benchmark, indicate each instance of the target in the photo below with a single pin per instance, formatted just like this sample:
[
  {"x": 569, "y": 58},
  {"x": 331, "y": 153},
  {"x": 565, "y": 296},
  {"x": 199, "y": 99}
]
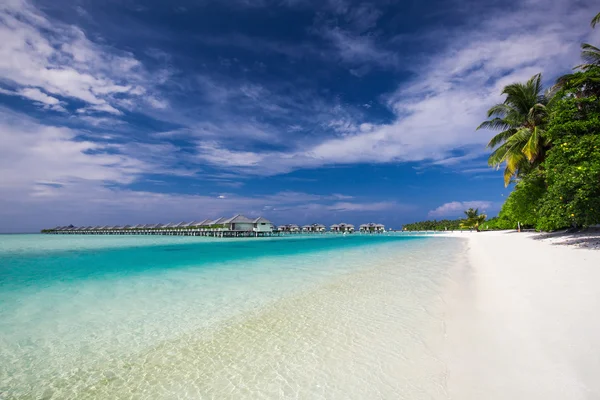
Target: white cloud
[
  {"x": 100, "y": 107},
  {"x": 37, "y": 95},
  {"x": 32, "y": 153},
  {"x": 375, "y": 206},
  {"x": 50, "y": 176},
  {"x": 40, "y": 98},
  {"x": 51, "y": 203},
  {"x": 457, "y": 208},
  {"x": 46, "y": 60},
  {"x": 437, "y": 112},
  {"x": 358, "y": 49}
]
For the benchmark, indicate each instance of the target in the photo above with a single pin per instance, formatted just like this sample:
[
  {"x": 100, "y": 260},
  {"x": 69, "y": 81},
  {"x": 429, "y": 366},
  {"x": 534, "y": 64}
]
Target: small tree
[{"x": 474, "y": 219}]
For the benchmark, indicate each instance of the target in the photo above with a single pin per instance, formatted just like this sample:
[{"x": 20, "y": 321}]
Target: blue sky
[{"x": 126, "y": 112}]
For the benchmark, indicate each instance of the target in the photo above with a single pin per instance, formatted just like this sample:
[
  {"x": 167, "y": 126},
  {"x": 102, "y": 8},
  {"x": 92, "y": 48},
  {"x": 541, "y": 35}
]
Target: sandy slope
[{"x": 524, "y": 320}]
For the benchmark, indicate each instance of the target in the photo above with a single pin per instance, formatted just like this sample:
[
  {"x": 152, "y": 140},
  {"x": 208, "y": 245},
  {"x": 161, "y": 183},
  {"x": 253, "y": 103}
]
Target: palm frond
[
  {"x": 596, "y": 20},
  {"x": 500, "y": 138},
  {"x": 508, "y": 173},
  {"x": 499, "y": 110},
  {"x": 521, "y": 96},
  {"x": 495, "y": 124},
  {"x": 532, "y": 148},
  {"x": 521, "y": 118},
  {"x": 515, "y": 162},
  {"x": 498, "y": 156},
  {"x": 590, "y": 55}
]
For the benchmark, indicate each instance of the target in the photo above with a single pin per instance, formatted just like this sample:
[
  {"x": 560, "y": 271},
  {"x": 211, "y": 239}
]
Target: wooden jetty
[{"x": 236, "y": 226}]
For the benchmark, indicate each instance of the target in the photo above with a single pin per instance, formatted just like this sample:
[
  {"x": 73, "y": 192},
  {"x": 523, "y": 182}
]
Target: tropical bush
[
  {"x": 572, "y": 198},
  {"x": 498, "y": 223},
  {"x": 522, "y": 205},
  {"x": 434, "y": 225},
  {"x": 473, "y": 220}
]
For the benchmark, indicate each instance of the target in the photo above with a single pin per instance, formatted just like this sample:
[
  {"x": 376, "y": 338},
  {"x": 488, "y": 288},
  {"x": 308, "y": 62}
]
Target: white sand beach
[{"x": 524, "y": 321}]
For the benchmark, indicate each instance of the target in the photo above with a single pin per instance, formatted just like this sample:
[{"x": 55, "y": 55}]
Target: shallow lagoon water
[{"x": 354, "y": 316}]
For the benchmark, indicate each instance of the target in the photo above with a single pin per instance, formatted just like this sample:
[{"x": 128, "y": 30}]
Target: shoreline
[
  {"x": 492, "y": 316},
  {"x": 370, "y": 330},
  {"x": 523, "y": 321}
]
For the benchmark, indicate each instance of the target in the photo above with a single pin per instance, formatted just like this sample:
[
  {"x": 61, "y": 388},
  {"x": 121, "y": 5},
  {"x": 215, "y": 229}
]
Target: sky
[{"x": 302, "y": 111}]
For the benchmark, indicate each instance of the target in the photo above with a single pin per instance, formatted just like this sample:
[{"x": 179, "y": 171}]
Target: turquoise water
[{"x": 104, "y": 317}]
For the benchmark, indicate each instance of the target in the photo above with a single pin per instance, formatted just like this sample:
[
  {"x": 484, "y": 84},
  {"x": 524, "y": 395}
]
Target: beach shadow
[{"x": 586, "y": 238}]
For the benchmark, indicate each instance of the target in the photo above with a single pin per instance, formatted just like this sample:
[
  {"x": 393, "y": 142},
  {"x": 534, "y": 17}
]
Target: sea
[{"x": 164, "y": 317}]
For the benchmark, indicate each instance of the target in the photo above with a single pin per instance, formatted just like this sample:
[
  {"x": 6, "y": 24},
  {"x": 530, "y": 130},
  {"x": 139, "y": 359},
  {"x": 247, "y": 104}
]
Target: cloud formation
[
  {"x": 53, "y": 63},
  {"x": 141, "y": 115},
  {"x": 436, "y": 113},
  {"x": 457, "y": 208}
]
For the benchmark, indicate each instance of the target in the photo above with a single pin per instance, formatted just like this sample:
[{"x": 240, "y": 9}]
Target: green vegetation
[
  {"x": 521, "y": 118},
  {"x": 550, "y": 146},
  {"x": 473, "y": 220},
  {"x": 596, "y": 20},
  {"x": 434, "y": 225}
]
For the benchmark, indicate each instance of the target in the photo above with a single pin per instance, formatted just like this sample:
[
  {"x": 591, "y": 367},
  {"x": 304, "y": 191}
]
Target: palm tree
[
  {"x": 596, "y": 20},
  {"x": 521, "y": 119},
  {"x": 590, "y": 55},
  {"x": 474, "y": 219},
  {"x": 587, "y": 82}
]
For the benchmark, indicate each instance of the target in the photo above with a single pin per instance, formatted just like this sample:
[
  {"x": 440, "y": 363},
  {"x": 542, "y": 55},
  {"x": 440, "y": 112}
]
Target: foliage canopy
[{"x": 549, "y": 144}]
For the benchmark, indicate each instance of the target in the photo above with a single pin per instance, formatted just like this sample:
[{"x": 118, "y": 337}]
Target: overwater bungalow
[
  {"x": 218, "y": 221},
  {"x": 289, "y": 228},
  {"x": 372, "y": 228},
  {"x": 198, "y": 224},
  {"x": 238, "y": 223},
  {"x": 306, "y": 228},
  {"x": 317, "y": 228},
  {"x": 344, "y": 227},
  {"x": 262, "y": 224},
  {"x": 236, "y": 226}
]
